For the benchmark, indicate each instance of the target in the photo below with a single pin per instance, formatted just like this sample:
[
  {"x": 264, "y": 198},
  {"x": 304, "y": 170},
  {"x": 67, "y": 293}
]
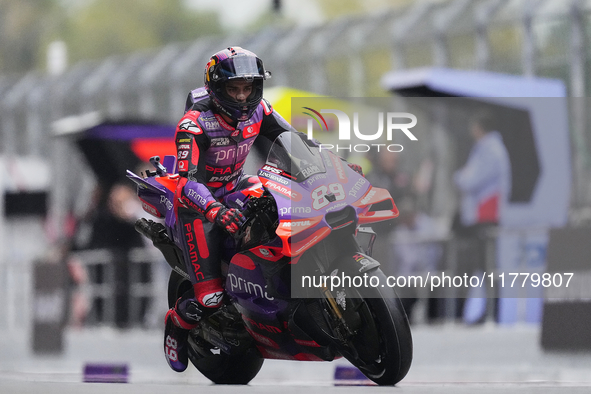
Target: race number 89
[{"x": 318, "y": 195}]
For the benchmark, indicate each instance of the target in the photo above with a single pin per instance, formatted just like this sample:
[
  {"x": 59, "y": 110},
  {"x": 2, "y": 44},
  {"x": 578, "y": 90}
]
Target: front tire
[
  {"x": 396, "y": 341},
  {"x": 382, "y": 346}
]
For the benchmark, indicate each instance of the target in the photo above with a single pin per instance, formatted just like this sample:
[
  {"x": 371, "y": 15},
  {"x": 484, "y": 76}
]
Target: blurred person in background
[
  {"x": 484, "y": 183},
  {"x": 386, "y": 173},
  {"x": 417, "y": 249},
  {"x": 213, "y": 139},
  {"x": 109, "y": 224},
  {"x": 105, "y": 223}
]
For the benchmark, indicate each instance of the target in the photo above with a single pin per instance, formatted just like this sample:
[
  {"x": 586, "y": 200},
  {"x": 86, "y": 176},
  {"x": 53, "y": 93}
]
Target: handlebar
[
  {"x": 160, "y": 170},
  {"x": 154, "y": 231},
  {"x": 261, "y": 209}
]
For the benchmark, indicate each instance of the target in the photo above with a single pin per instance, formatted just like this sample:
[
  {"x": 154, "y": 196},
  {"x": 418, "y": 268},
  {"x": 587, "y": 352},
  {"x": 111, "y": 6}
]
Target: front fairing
[
  {"x": 316, "y": 192},
  {"x": 301, "y": 175}
]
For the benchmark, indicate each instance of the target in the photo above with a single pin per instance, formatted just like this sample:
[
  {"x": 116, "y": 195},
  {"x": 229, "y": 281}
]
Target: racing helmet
[{"x": 235, "y": 63}]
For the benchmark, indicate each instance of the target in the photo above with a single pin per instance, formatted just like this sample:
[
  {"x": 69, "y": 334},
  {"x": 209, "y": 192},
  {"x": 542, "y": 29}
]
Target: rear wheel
[
  {"x": 177, "y": 286},
  {"x": 217, "y": 366},
  {"x": 222, "y": 368}
]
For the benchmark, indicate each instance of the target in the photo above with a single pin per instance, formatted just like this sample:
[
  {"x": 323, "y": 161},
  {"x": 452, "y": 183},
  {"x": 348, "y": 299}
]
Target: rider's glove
[
  {"x": 357, "y": 168},
  {"x": 230, "y": 219}
]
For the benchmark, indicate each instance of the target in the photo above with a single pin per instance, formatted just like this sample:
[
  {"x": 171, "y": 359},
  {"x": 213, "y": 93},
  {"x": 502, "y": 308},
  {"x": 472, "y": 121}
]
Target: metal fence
[
  {"x": 346, "y": 58},
  {"x": 122, "y": 290}
]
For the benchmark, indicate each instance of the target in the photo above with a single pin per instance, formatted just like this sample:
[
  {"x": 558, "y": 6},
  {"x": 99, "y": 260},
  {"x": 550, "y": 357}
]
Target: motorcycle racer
[{"x": 213, "y": 139}]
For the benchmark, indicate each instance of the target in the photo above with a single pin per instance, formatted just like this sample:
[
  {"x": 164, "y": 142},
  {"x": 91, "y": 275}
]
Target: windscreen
[{"x": 293, "y": 155}]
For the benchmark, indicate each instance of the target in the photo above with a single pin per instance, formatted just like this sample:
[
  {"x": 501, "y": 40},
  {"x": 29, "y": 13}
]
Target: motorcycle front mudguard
[{"x": 366, "y": 324}]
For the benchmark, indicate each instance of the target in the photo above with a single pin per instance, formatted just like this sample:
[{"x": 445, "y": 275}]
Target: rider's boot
[{"x": 178, "y": 321}]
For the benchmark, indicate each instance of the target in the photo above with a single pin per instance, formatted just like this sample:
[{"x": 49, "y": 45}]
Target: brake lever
[
  {"x": 253, "y": 205},
  {"x": 241, "y": 233}
]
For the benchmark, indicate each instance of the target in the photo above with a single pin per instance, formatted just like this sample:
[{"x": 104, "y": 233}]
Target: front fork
[
  {"x": 362, "y": 234},
  {"x": 343, "y": 311},
  {"x": 362, "y": 262}
]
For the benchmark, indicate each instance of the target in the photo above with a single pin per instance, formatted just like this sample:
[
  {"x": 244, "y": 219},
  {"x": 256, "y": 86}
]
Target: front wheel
[{"x": 381, "y": 342}]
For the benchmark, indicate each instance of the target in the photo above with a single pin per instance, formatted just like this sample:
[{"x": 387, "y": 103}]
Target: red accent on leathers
[
  {"x": 208, "y": 288},
  {"x": 178, "y": 320},
  {"x": 200, "y": 237}
]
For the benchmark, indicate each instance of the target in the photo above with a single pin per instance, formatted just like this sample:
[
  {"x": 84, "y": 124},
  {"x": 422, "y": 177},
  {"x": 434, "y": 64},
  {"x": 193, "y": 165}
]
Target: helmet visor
[{"x": 247, "y": 67}]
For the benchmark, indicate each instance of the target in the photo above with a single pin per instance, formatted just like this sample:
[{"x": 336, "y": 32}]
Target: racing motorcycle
[{"x": 299, "y": 277}]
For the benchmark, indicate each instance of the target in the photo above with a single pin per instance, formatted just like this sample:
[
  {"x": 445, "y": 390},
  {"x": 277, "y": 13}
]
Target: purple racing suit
[{"x": 211, "y": 154}]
